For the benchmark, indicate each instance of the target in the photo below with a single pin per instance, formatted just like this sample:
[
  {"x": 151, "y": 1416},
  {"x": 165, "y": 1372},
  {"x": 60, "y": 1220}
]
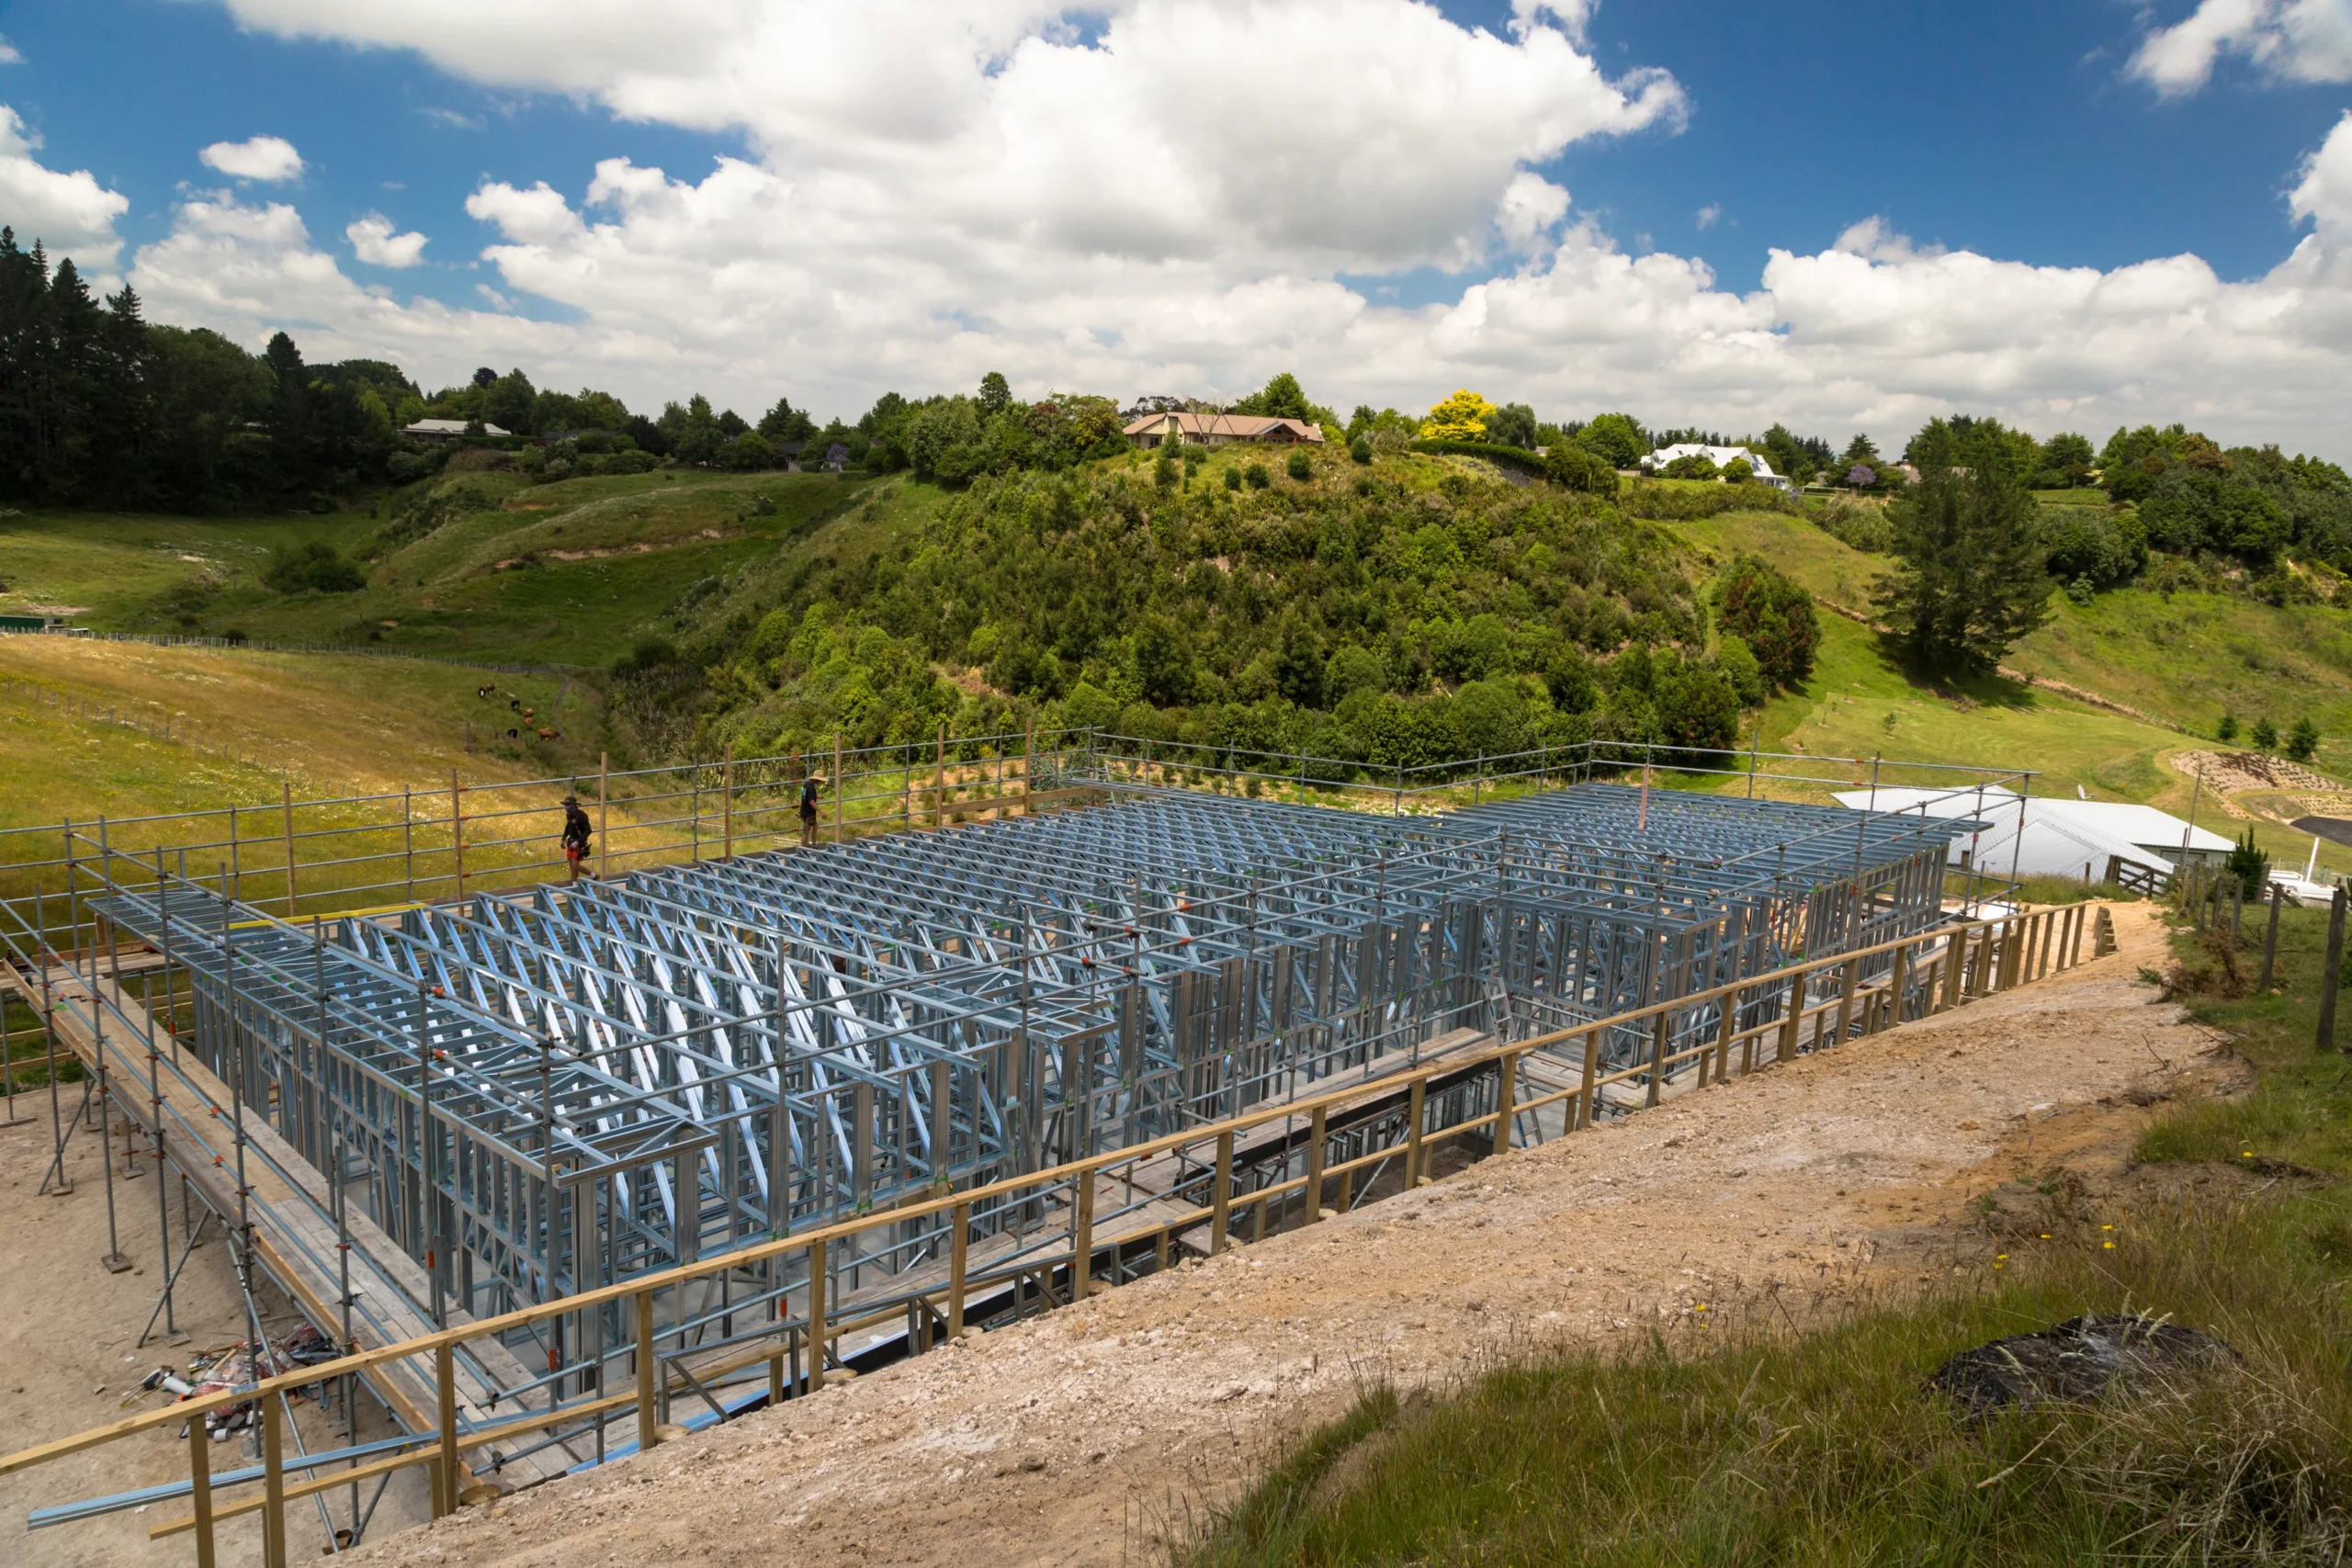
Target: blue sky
[{"x": 1703, "y": 137}]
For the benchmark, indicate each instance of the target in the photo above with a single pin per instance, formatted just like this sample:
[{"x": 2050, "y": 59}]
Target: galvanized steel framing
[{"x": 545, "y": 1090}]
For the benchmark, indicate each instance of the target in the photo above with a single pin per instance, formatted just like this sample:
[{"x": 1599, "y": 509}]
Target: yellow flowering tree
[{"x": 1462, "y": 417}]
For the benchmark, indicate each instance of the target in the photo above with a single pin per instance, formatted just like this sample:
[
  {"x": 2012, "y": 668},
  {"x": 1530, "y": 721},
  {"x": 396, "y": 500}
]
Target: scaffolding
[
  {"x": 502, "y": 1097},
  {"x": 536, "y": 1092}
]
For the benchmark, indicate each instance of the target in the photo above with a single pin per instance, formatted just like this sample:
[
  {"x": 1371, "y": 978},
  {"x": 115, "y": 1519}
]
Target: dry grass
[
  {"x": 239, "y": 722},
  {"x": 1753, "y": 1445},
  {"x": 1741, "y": 1441}
]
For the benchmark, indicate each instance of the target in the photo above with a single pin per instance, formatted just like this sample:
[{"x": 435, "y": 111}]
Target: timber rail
[{"x": 686, "y": 1333}]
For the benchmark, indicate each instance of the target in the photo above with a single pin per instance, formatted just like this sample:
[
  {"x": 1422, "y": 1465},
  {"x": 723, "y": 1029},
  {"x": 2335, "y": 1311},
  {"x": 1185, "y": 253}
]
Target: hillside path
[{"x": 1076, "y": 1438}]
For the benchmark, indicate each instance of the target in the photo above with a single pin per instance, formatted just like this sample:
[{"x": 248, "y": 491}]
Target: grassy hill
[
  {"x": 475, "y": 565},
  {"x": 945, "y": 606},
  {"x": 90, "y": 728},
  {"x": 2181, "y": 659}
]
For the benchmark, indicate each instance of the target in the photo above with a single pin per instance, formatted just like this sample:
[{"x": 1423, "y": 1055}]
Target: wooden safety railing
[{"x": 1811, "y": 1003}]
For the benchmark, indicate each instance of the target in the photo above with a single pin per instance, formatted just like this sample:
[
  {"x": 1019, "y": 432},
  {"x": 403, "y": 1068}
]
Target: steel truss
[{"x": 546, "y": 1090}]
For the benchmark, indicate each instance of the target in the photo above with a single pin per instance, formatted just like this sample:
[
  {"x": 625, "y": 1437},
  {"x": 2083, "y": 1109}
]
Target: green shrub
[
  {"x": 1298, "y": 467},
  {"x": 1257, "y": 476},
  {"x": 314, "y": 567}
]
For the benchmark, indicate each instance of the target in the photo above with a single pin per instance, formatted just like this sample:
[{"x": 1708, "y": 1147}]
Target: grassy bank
[
  {"x": 1739, "y": 1442},
  {"x": 2182, "y": 659}
]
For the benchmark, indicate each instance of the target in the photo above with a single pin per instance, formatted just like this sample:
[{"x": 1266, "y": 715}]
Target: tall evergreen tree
[{"x": 1973, "y": 574}]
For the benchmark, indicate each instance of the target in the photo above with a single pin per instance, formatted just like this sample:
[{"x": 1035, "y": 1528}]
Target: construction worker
[
  {"x": 808, "y": 787},
  {"x": 575, "y": 834}
]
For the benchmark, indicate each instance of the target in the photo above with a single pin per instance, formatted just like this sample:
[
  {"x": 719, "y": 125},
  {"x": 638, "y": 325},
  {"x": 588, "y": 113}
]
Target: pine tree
[
  {"x": 1974, "y": 574},
  {"x": 123, "y": 412}
]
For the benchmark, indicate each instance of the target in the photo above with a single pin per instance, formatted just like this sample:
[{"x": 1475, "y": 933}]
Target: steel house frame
[{"x": 542, "y": 1091}]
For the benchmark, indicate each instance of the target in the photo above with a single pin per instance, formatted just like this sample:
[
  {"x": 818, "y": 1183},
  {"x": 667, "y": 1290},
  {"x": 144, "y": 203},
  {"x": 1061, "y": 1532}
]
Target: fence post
[
  {"x": 1221, "y": 1191},
  {"x": 273, "y": 1458},
  {"x": 604, "y": 776},
  {"x": 1506, "y": 1103},
  {"x": 1585, "y": 1092},
  {"x": 817, "y": 1315},
  {"x": 1081, "y": 1235},
  {"x": 1317, "y": 1130},
  {"x": 199, "y": 1477},
  {"x": 837, "y": 786},
  {"x": 456, "y": 832},
  {"x": 2269, "y": 943},
  {"x": 939, "y": 798},
  {"x": 1790, "y": 1016},
  {"x": 1416, "y": 1103},
  {"x": 727, "y": 802},
  {"x": 1726, "y": 1027},
  {"x": 959, "y": 1261},
  {"x": 445, "y": 1379},
  {"x": 287, "y": 788},
  {"x": 649, "y": 1416},
  {"x": 1901, "y": 978},
  {"x": 2328, "y": 977},
  {"x": 1659, "y": 1027}
]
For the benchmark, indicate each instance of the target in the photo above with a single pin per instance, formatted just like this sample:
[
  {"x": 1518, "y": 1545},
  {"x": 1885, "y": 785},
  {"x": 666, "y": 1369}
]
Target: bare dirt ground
[
  {"x": 1077, "y": 1437},
  {"x": 69, "y": 1357}
]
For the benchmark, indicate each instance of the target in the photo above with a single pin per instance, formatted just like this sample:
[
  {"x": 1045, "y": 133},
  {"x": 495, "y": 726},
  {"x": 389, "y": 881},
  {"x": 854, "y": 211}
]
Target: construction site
[{"x": 555, "y": 1171}]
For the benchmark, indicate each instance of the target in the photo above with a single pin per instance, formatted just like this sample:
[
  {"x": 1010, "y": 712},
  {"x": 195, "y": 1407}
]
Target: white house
[
  {"x": 2090, "y": 840},
  {"x": 443, "y": 430},
  {"x": 1720, "y": 456}
]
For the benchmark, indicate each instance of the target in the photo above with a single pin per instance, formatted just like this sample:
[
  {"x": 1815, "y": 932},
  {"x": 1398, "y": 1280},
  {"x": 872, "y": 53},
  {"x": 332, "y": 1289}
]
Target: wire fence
[{"x": 445, "y": 841}]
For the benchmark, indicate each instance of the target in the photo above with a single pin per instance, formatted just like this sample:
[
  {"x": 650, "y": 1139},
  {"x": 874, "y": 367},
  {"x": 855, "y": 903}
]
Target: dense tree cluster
[
  {"x": 2248, "y": 503},
  {"x": 1359, "y": 620},
  {"x": 98, "y": 407}
]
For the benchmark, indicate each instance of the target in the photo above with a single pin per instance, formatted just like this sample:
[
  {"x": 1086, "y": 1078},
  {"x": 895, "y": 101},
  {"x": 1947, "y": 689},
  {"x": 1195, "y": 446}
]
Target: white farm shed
[{"x": 2049, "y": 837}]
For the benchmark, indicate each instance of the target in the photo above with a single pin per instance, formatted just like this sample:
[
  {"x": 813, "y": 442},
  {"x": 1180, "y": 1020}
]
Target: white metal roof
[
  {"x": 1720, "y": 456},
  {"x": 2047, "y": 836},
  {"x": 445, "y": 427}
]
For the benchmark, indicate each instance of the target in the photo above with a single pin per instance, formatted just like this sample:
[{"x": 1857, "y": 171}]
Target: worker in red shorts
[{"x": 575, "y": 834}]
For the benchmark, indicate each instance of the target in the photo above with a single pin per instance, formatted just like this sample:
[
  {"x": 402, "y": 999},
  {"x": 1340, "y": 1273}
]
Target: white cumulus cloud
[
  {"x": 373, "y": 241},
  {"x": 72, "y": 214},
  {"x": 269, "y": 158},
  {"x": 1181, "y": 197},
  {"x": 2294, "y": 40}
]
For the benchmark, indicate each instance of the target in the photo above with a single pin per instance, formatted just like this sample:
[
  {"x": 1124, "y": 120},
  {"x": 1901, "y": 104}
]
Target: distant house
[
  {"x": 444, "y": 429},
  {"x": 1220, "y": 430},
  {"x": 1720, "y": 456}
]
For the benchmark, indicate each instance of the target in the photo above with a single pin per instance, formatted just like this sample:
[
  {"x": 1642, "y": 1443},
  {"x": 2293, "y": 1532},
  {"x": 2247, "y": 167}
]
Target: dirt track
[{"x": 1073, "y": 1438}]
